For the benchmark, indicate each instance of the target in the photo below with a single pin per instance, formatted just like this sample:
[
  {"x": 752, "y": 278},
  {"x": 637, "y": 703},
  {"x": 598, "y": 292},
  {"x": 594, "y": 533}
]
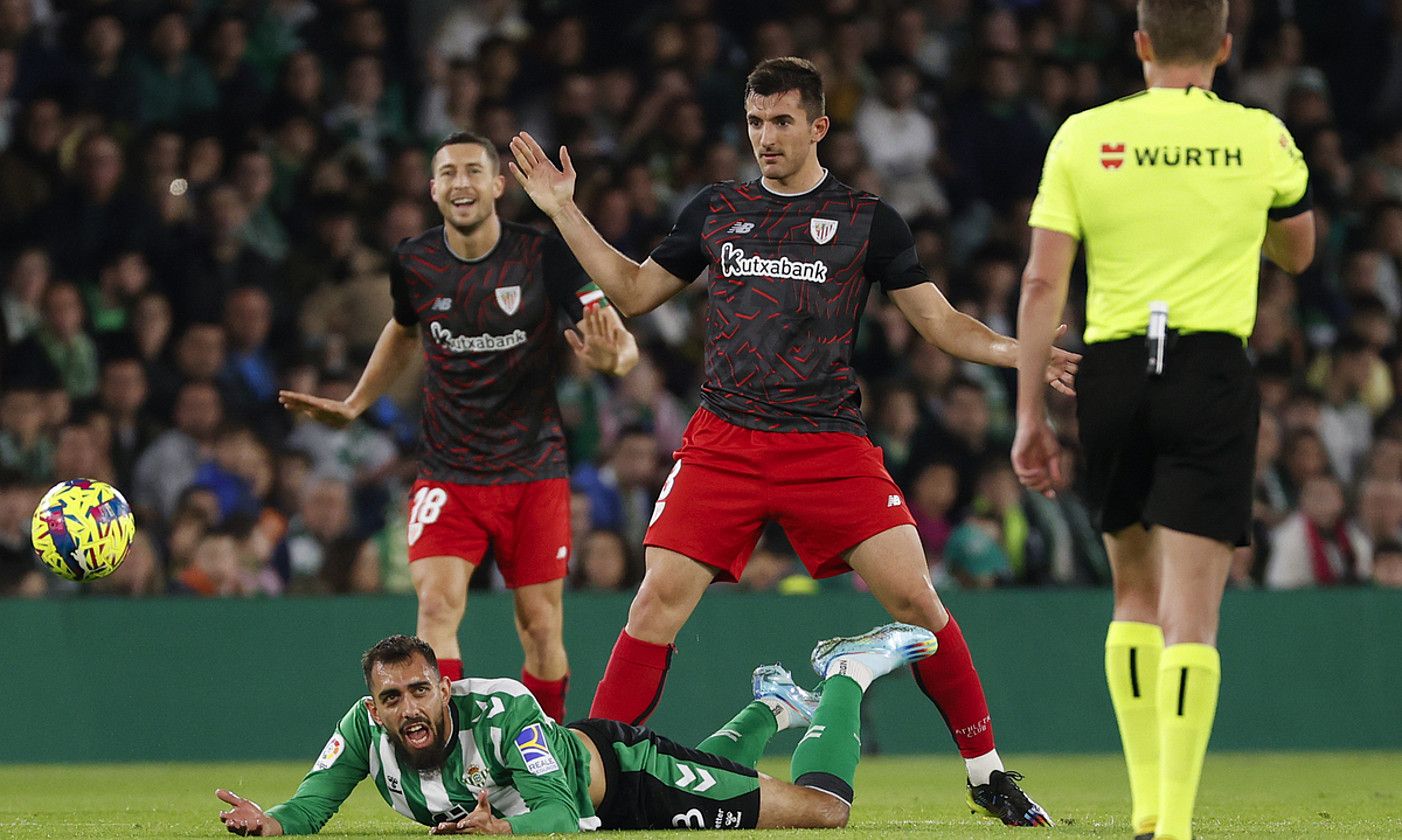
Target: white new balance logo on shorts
[{"x": 893, "y": 500}]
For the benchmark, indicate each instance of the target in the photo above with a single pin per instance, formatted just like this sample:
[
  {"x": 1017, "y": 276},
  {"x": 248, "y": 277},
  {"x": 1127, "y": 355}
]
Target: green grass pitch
[{"x": 1307, "y": 795}]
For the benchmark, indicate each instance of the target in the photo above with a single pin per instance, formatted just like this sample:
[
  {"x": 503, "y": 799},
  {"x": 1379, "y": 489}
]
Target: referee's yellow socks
[
  {"x": 1189, "y": 675},
  {"x": 1132, "y": 651}
]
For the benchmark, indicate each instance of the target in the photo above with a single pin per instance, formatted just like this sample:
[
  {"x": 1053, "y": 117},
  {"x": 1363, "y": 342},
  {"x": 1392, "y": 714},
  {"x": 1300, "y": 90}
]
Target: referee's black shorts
[{"x": 1178, "y": 449}]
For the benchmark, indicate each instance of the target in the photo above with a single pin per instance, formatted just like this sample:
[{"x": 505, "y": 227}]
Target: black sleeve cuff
[{"x": 1304, "y": 205}]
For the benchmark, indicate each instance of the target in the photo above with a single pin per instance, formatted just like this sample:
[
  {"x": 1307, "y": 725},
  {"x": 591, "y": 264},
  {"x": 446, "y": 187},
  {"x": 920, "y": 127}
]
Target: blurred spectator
[
  {"x": 29, "y": 171},
  {"x": 1075, "y": 551},
  {"x": 1387, "y": 565},
  {"x": 168, "y": 466},
  {"x": 20, "y": 574},
  {"x": 901, "y": 141},
  {"x": 254, "y": 178},
  {"x": 320, "y": 538},
  {"x": 94, "y": 214},
  {"x": 931, "y": 498},
  {"x": 78, "y": 453},
  {"x": 173, "y": 85},
  {"x": 604, "y": 563},
  {"x": 895, "y": 419},
  {"x": 335, "y": 256},
  {"x": 105, "y": 76},
  {"x": 214, "y": 569},
  {"x": 640, "y": 399},
  {"x": 961, "y": 436},
  {"x": 239, "y": 90},
  {"x": 25, "y": 283},
  {"x": 59, "y": 351},
  {"x": 1001, "y": 498},
  {"x": 122, "y": 392},
  {"x": 623, "y": 490},
  {"x": 974, "y": 554},
  {"x": 1318, "y": 546},
  {"x": 123, "y": 278},
  {"x": 368, "y": 117}
]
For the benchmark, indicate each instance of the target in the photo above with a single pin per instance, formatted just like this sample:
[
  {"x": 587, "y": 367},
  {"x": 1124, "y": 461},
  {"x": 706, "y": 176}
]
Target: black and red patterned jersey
[
  {"x": 789, "y": 276},
  {"x": 492, "y": 336}
]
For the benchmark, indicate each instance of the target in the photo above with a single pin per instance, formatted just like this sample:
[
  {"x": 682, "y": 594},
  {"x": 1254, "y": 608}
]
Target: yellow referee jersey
[{"x": 1170, "y": 190}]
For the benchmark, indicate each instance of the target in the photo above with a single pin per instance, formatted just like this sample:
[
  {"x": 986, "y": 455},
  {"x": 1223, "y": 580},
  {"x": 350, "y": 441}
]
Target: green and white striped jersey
[{"x": 535, "y": 772}]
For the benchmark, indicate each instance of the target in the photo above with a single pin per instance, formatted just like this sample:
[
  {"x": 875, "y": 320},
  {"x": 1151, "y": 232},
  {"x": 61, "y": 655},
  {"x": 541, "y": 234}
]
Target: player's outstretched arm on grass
[
  {"x": 968, "y": 338},
  {"x": 633, "y": 288},
  {"x": 393, "y": 352},
  {"x": 602, "y": 342},
  {"x": 245, "y": 818}
]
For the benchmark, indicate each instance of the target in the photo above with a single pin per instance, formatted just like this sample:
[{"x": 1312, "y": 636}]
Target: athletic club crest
[
  {"x": 509, "y": 299},
  {"x": 823, "y": 230}
]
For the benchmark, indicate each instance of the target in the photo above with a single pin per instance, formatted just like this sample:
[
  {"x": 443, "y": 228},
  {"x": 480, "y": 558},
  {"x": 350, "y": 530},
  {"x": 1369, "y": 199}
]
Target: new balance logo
[
  {"x": 442, "y": 304},
  {"x": 562, "y": 553},
  {"x": 893, "y": 500},
  {"x": 741, "y": 227}
]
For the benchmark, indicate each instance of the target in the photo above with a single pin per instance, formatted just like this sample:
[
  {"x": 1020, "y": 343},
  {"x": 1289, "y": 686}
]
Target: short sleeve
[
  {"x": 1055, "y": 205},
  {"x": 565, "y": 279},
  {"x": 1289, "y": 176},
  {"x": 891, "y": 259},
  {"x": 404, "y": 312},
  {"x": 682, "y": 252}
]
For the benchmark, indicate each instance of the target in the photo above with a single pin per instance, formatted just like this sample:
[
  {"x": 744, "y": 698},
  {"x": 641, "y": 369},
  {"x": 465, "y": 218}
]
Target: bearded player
[
  {"x": 485, "y": 300},
  {"x": 479, "y": 757},
  {"x": 779, "y": 436}
]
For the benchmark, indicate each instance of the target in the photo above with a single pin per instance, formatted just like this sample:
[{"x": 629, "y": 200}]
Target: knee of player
[
  {"x": 917, "y": 605},
  {"x": 437, "y": 607}
]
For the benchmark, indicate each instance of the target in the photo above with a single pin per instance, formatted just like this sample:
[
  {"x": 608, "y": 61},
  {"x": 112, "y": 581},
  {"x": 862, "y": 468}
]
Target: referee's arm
[
  {"x": 1036, "y": 454},
  {"x": 1290, "y": 242}
]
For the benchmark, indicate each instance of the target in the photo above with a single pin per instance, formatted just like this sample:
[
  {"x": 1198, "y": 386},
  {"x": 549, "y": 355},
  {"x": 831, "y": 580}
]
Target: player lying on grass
[{"x": 480, "y": 757}]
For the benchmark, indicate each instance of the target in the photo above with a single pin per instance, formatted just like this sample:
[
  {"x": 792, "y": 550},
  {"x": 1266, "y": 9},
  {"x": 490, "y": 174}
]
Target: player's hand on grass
[
  {"x": 331, "y": 412},
  {"x": 602, "y": 342},
  {"x": 1061, "y": 370},
  {"x": 480, "y": 821},
  {"x": 549, "y": 187},
  {"x": 246, "y": 819},
  {"x": 1037, "y": 458}
]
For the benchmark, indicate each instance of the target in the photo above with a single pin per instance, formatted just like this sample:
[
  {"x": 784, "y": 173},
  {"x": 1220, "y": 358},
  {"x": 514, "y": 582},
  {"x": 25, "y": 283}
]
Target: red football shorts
[
  {"x": 527, "y": 523},
  {"x": 828, "y": 490}
]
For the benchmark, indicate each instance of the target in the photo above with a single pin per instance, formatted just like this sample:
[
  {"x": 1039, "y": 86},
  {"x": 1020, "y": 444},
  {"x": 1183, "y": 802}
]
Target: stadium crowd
[{"x": 198, "y": 200}]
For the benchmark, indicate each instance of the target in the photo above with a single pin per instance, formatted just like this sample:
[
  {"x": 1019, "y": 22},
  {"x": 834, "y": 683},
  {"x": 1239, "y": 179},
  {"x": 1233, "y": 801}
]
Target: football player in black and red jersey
[
  {"x": 789, "y": 261},
  {"x": 485, "y": 299}
]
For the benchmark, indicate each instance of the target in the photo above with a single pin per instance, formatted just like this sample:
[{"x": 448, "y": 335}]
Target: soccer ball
[{"x": 82, "y": 529}]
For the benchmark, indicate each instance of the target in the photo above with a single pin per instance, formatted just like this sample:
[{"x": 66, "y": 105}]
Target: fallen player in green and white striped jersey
[{"x": 479, "y": 756}]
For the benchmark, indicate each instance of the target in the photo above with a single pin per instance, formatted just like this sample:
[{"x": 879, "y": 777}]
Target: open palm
[{"x": 551, "y": 188}]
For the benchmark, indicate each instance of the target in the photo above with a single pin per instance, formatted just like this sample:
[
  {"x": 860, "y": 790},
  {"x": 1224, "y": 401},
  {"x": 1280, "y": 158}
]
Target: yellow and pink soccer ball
[{"x": 82, "y": 529}]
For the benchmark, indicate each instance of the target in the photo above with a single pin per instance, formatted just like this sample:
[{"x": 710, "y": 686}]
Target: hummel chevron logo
[
  {"x": 813, "y": 732},
  {"x": 687, "y": 777}
]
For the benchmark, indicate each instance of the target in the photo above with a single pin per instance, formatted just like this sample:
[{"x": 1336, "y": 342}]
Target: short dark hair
[
  {"x": 1184, "y": 31},
  {"x": 458, "y": 138},
  {"x": 780, "y": 75},
  {"x": 395, "y": 649}
]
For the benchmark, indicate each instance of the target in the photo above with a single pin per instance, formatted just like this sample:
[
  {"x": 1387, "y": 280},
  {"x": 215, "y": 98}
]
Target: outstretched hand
[
  {"x": 335, "y": 413},
  {"x": 480, "y": 821},
  {"x": 602, "y": 342},
  {"x": 1062, "y": 367},
  {"x": 549, "y": 187},
  {"x": 245, "y": 818}
]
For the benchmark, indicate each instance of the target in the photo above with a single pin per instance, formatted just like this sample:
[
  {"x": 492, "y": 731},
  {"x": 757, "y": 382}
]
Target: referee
[{"x": 1175, "y": 194}]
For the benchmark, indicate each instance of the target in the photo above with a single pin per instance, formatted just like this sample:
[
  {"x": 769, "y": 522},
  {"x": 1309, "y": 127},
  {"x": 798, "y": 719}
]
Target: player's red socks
[
  {"x": 450, "y": 668},
  {"x": 550, "y": 694},
  {"x": 632, "y": 682},
  {"x": 948, "y": 678}
]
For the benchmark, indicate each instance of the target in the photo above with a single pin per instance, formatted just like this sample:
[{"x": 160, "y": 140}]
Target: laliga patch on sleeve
[
  {"x": 535, "y": 752},
  {"x": 330, "y": 752}
]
